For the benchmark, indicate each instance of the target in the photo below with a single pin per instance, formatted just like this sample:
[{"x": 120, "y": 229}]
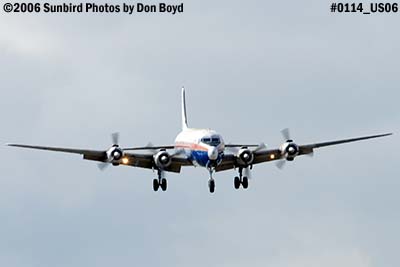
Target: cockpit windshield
[
  {"x": 215, "y": 141},
  {"x": 212, "y": 141}
]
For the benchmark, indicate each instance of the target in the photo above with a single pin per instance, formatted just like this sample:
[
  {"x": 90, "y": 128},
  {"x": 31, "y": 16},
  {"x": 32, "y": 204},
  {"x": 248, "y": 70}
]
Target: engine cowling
[
  {"x": 289, "y": 150},
  {"x": 115, "y": 153},
  {"x": 162, "y": 159},
  {"x": 245, "y": 156}
]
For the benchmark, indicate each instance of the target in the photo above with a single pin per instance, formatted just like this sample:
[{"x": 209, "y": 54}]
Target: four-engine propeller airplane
[{"x": 199, "y": 147}]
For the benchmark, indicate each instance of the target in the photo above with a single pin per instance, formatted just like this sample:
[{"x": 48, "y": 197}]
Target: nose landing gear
[
  {"x": 241, "y": 180},
  {"x": 211, "y": 185},
  {"x": 211, "y": 181}
]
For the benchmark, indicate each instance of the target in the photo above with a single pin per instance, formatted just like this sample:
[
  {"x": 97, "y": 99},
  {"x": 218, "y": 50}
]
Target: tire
[
  {"x": 245, "y": 182},
  {"x": 211, "y": 186},
  {"x": 156, "y": 185},
  {"x": 236, "y": 182},
  {"x": 163, "y": 184}
]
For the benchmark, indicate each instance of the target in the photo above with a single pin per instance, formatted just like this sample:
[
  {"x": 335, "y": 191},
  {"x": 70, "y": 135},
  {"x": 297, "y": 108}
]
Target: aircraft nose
[{"x": 212, "y": 153}]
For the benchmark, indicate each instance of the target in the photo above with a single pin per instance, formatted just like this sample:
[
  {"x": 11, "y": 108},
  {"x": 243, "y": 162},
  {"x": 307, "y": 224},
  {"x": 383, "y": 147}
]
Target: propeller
[
  {"x": 103, "y": 165},
  {"x": 286, "y": 134},
  {"x": 261, "y": 146},
  {"x": 280, "y": 164},
  {"x": 247, "y": 171},
  {"x": 286, "y": 137},
  {"x": 115, "y": 140},
  {"x": 149, "y": 144}
]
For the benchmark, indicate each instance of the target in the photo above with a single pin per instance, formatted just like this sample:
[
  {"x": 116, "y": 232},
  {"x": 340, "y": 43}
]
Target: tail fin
[{"x": 184, "y": 118}]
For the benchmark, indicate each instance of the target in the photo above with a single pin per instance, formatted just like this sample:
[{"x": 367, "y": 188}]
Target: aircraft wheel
[
  {"x": 155, "y": 185},
  {"x": 245, "y": 182},
  {"x": 163, "y": 184},
  {"x": 211, "y": 186},
  {"x": 236, "y": 182}
]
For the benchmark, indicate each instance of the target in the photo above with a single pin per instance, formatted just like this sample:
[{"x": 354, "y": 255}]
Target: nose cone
[{"x": 212, "y": 153}]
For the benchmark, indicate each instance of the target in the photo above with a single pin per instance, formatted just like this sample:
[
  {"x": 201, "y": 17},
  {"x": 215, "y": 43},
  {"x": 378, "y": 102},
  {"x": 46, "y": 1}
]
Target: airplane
[{"x": 199, "y": 147}]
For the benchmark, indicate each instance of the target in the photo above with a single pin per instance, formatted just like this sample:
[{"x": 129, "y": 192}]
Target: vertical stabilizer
[{"x": 184, "y": 118}]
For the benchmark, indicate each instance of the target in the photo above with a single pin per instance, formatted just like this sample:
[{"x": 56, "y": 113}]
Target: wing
[
  {"x": 99, "y": 155},
  {"x": 237, "y": 145},
  {"x": 147, "y": 161},
  {"x": 133, "y": 159},
  {"x": 307, "y": 149},
  {"x": 230, "y": 161},
  {"x": 261, "y": 156},
  {"x": 149, "y": 147}
]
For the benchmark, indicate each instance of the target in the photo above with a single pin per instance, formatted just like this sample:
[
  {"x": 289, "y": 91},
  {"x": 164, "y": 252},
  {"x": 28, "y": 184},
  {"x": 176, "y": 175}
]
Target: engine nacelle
[
  {"x": 162, "y": 159},
  {"x": 115, "y": 153},
  {"x": 245, "y": 156},
  {"x": 289, "y": 150}
]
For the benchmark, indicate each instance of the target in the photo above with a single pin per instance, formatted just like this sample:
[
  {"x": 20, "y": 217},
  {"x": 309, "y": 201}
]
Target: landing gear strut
[
  {"x": 160, "y": 182},
  {"x": 241, "y": 180},
  {"x": 211, "y": 181}
]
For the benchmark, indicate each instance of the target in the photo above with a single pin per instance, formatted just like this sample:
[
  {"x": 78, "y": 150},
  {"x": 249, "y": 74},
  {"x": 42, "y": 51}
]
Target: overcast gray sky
[{"x": 250, "y": 68}]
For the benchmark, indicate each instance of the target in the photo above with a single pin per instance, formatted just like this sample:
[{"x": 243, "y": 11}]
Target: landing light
[
  {"x": 272, "y": 156},
  {"x": 125, "y": 160}
]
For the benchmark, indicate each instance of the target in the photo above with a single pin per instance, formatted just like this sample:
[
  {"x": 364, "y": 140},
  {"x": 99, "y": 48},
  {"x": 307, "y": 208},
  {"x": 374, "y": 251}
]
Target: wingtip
[
  {"x": 14, "y": 145},
  {"x": 383, "y": 135}
]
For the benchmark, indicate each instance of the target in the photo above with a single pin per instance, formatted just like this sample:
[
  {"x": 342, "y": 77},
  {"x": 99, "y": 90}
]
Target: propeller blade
[
  {"x": 115, "y": 138},
  {"x": 152, "y": 150},
  {"x": 280, "y": 164},
  {"x": 102, "y": 166},
  {"x": 286, "y": 134},
  {"x": 149, "y": 144},
  {"x": 260, "y": 147}
]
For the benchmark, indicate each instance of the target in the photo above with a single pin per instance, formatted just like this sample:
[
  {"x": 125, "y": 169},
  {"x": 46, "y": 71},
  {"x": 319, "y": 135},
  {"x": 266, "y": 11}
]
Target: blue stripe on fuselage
[{"x": 201, "y": 157}]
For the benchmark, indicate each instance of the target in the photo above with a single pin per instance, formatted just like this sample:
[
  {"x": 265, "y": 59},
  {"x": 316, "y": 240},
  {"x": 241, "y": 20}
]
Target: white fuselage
[{"x": 202, "y": 146}]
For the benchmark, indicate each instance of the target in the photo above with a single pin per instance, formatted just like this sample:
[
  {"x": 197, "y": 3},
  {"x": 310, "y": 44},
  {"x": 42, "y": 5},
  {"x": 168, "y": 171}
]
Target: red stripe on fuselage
[{"x": 191, "y": 146}]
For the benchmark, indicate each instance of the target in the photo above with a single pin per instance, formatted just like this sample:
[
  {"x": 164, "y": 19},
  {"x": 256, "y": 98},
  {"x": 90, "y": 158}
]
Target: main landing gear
[
  {"x": 241, "y": 180},
  {"x": 160, "y": 182}
]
